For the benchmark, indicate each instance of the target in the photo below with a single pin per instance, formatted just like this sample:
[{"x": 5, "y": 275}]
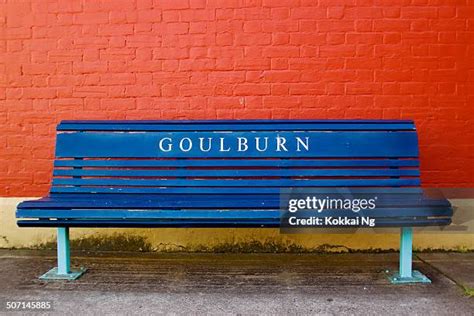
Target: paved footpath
[{"x": 219, "y": 284}]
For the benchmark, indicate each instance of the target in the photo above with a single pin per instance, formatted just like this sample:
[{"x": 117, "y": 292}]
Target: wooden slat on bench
[
  {"x": 290, "y": 163},
  {"x": 236, "y": 125},
  {"x": 175, "y": 190},
  {"x": 423, "y": 211},
  {"x": 218, "y": 223},
  {"x": 408, "y": 191},
  {"x": 191, "y": 203},
  {"x": 241, "y": 173},
  {"x": 236, "y": 183},
  {"x": 386, "y": 198}
]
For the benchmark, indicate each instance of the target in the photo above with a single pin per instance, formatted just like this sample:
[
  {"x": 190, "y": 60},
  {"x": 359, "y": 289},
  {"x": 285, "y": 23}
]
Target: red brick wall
[{"x": 170, "y": 59}]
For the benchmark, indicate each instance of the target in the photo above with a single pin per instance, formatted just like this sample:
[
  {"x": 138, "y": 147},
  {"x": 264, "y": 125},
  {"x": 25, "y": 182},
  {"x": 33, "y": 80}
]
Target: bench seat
[{"x": 187, "y": 210}]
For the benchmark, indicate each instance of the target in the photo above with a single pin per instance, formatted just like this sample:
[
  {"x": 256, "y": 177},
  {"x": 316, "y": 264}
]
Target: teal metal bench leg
[
  {"x": 63, "y": 271},
  {"x": 406, "y": 274}
]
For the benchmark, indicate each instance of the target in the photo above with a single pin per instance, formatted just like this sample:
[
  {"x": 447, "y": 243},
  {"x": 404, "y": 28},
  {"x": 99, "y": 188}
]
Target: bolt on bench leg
[
  {"x": 63, "y": 271},
  {"x": 406, "y": 274}
]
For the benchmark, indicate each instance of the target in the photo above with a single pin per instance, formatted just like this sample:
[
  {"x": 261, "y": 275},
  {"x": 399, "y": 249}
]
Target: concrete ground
[{"x": 268, "y": 284}]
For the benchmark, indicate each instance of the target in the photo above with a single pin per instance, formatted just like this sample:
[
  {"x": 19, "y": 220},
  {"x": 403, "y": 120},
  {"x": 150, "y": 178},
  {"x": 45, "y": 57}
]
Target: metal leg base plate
[
  {"x": 416, "y": 277},
  {"x": 53, "y": 274}
]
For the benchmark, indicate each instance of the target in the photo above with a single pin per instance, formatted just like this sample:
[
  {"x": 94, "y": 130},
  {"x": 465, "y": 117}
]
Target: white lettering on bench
[
  {"x": 201, "y": 144},
  {"x": 257, "y": 144},
  {"x": 240, "y": 144},
  {"x": 169, "y": 144},
  {"x": 190, "y": 144},
  {"x": 281, "y": 143},
  {"x": 221, "y": 149},
  {"x": 243, "y": 144},
  {"x": 299, "y": 142}
]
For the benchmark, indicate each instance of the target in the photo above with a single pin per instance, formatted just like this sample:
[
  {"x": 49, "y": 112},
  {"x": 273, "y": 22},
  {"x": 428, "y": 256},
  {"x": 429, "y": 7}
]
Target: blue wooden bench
[{"x": 223, "y": 174}]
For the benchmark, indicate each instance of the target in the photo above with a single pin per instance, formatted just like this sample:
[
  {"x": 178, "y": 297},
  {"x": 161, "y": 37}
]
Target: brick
[
  {"x": 39, "y": 93},
  {"x": 280, "y": 38},
  {"x": 204, "y": 64},
  {"x": 391, "y": 12},
  {"x": 224, "y": 39},
  {"x": 252, "y": 26},
  {"x": 272, "y": 102},
  {"x": 336, "y": 26},
  {"x": 197, "y": 27},
  {"x": 91, "y": 18},
  {"x": 392, "y": 38},
  {"x": 14, "y": 93},
  {"x": 144, "y": 4},
  {"x": 364, "y": 25},
  {"x": 90, "y": 91},
  {"x": 149, "y": 16},
  {"x": 363, "y": 63},
  {"x": 252, "y": 89},
  {"x": 141, "y": 41},
  {"x": 365, "y": 38},
  {"x": 281, "y": 76},
  {"x": 176, "y": 28},
  {"x": 144, "y": 65},
  {"x": 196, "y": 15},
  {"x": 197, "y": 4},
  {"x": 280, "y": 3},
  {"x": 170, "y": 90},
  {"x": 114, "y": 29},
  {"x": 308, "y": 12},
  {"x": 192, "y": 90},
  {"x": 73, "y": 102},
  {"x": 364, "y": 12},
  {"x": 117, "y": 79},
  {"x": 170, "y": 15},
  {"x": 63, "y": 80},
  {"x": 171, "y": 4},
  {"x": 307, "y": 39},
  {"x": 280, "y": 13},
  {"x": 279, "y": 63},
  {"x": 397, "y": 76},
  {"x": 391, "y": 25},
  {"x": 336, "y": 51},
  {"x": 363, "y": 88},
  {"x": 307, "y": 89},
  {"x": 38, "y": 69},
  {"x": 227, "y": 77},
  {"x": 89, "y": 67},
  {"x": 65, "y": 55},
  {"x": 118, "y": 104},
  {"x": 255, "y": 39},
  {"x": 419, "y": 12},
  {"x": 282, "y": 51},
  {"x": 446, "y": 12},
  {"x": 280, "y": 89},
  {"x": 280, "y": 26},
  {"x": 336, "y": 38},
  {"x": 224, "y": 64},
  {"x": 335, "y": 12}
]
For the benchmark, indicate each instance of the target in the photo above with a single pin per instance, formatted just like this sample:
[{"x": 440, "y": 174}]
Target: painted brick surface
[{"x": 226, "y": 59}]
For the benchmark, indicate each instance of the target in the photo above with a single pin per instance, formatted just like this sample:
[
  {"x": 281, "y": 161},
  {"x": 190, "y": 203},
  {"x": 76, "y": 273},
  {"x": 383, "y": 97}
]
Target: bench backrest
[{"x": 241, "y": 157}]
